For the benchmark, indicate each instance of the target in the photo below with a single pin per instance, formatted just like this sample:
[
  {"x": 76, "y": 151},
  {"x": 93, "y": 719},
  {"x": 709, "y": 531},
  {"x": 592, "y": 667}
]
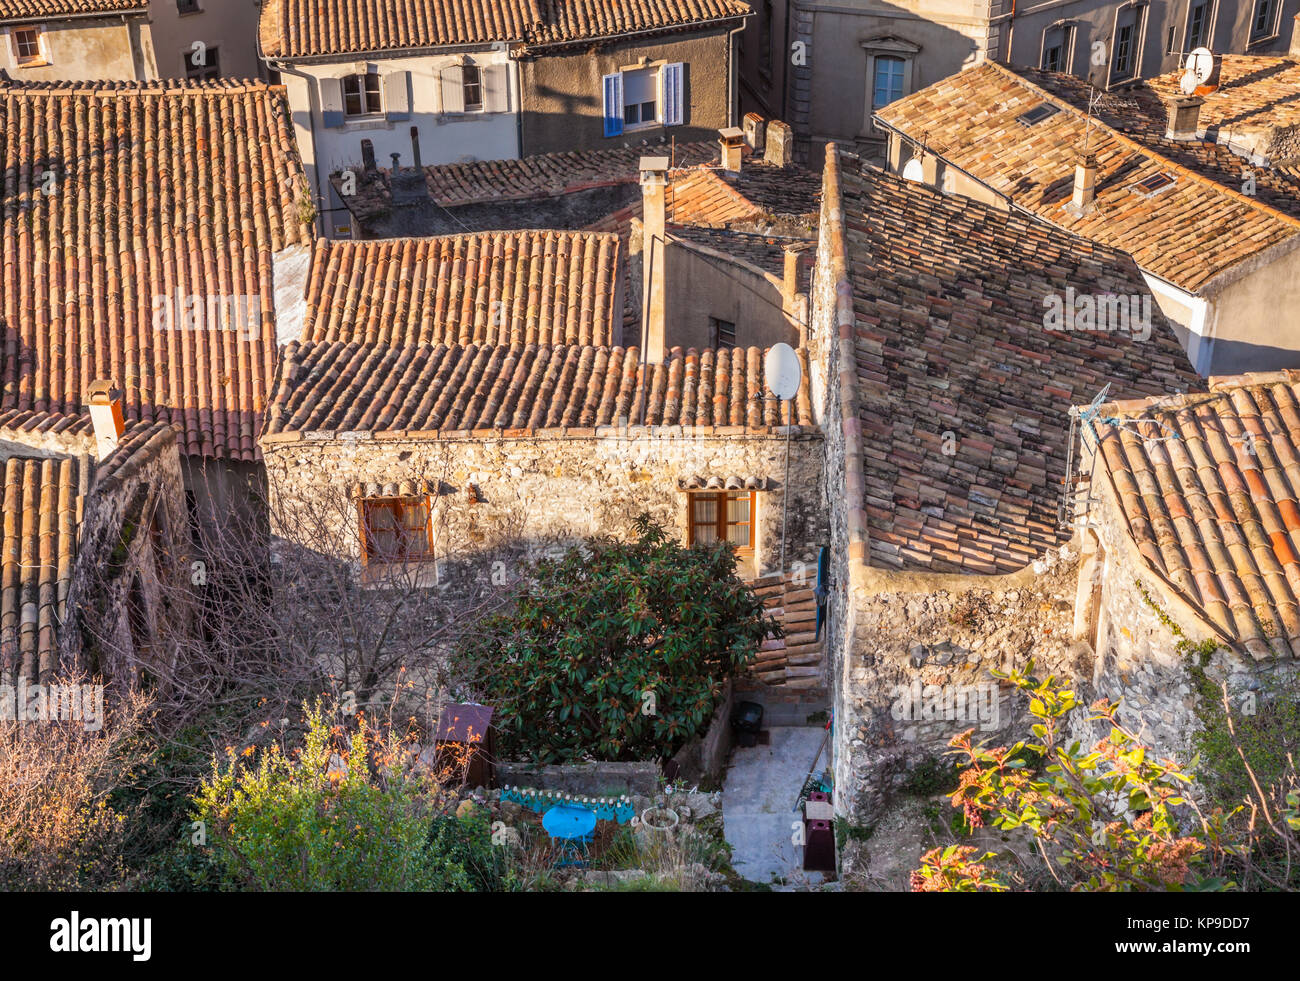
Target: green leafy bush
[
  {"x": 616, "y": 650},
  {"x": 345, "y": 812}
]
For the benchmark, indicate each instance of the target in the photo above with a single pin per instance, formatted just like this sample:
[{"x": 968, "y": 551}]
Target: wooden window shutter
[
  {"x": 496, "y": 88},
  {"x": 453, "y": 89},
  {"x": 614, "y": 104},
  {"x": 674, "y": 78},
  {"x": 331, "y": 102},
  {"x": 397, "y": 95}
]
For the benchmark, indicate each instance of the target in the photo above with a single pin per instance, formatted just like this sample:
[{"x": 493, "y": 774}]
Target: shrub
[
  {"x": 616, "y": 650},
  {"x": 345, "y": 812}
]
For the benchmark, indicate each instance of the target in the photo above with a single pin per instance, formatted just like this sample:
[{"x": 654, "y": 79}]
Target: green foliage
[
  {"x": 931, "y": 776},
  {"x": 466, "y": 860},
  {"x": 1105, "y": 819},
  {"x": 615, "y": 650},
  {"x": 346, "y": 812},
  {"x": 1267, "y": 732}
]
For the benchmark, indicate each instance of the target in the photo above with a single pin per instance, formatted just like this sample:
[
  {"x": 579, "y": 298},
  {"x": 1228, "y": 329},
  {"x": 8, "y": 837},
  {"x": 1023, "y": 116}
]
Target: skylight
[
  {"x": 1153, "y": 184},
  {"x": 1037, "y": 114}
]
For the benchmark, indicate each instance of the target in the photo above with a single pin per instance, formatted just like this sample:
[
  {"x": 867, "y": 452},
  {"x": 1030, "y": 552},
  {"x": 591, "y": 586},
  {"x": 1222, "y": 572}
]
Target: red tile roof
[
  {"x": 1255, "y": 92},
  {"x": 26, "y": 10},
  {"x": 1188, "y": 234},
  {"x": 521, "y": 390},
  {"x": 306, "y": 28},
  {"x": 960, "y": 392},
  {"x": 1208, "y": 486},
  {"x": 158, "y": 192},
  {"x": 42, "y": 505},
  {"x": 42, "y": 510},
  {"x": 522, "y": 287}
]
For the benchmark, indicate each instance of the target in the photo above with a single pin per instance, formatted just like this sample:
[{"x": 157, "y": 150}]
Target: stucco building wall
[
  {"x": 85, "y": 49},
  {"x": 563, "y": 102}
]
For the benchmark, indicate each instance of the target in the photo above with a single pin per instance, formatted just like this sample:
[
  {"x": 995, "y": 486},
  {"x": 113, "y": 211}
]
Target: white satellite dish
[
  {"x": 1188, "y": 83},
  {"x": 1200, "y": 62},
  {"x": 784, "y": 373},
  {"x": 914, "y": 170}
]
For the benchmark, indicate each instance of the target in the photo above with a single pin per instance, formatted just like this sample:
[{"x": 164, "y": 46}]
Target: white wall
[{"x": 444, "y": 137}]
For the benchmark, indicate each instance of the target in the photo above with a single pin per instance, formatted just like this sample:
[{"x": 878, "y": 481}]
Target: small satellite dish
[
  {"x": 914, "y": 170},
  {"x": 784, "y": 373},
  {"x": 1200, "y": 62},
  {"x": 1187, "y": 84}
]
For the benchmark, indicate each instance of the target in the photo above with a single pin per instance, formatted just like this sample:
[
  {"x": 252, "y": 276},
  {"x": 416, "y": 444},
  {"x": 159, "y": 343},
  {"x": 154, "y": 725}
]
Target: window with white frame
[
  {"x": 1126, "y": 54},
  {"x": 640, "y": 98},
  {"x": 361, "y": 95},
  {"x": 889, "y": 75},
  {"x": 1263, "y": 22},
  {"x": 471, "y": 88},
  {"x": 1200, "y": 24},
  {"x": 26, "y": 43},
  {"x": 1058, "y": 48}
]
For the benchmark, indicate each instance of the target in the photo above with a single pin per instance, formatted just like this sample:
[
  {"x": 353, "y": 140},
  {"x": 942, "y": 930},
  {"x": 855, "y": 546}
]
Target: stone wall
[{"x": 529, "y": 494}]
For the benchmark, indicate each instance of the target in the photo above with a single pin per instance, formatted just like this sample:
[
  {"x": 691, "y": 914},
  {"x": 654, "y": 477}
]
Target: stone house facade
[{"x": 946, "y": 427}]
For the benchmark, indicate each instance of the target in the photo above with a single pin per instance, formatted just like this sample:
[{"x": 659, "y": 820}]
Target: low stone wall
[
  {"x": 705, "y": 757},
  {"x": 595, "y": 779}
]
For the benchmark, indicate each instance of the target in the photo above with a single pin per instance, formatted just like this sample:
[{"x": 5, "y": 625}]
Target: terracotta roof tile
[
  {"x": 40, "y": 9},
  {"x": 962, "y": 392},
  {"x": 1207, "y": 485},
  {"x": 347, "y": 387},
  {"x": 970, "y": 119},
  {"x": 120, "y": 202},
  {"x": 493, "y": 287},
  {"x": 305, "y": 28}
]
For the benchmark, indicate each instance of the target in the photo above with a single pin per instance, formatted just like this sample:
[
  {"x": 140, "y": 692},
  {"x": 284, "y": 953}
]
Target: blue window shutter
[
  {"x": 614, "y": 105},
  {"x": 673, "y": 77}
]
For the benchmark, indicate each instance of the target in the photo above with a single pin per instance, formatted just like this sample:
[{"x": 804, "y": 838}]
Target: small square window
[
  {"x": 723, "y": 516},
  {"x": 1154, "y": 184},
  {"x": 187, "y": 6},
  {"x": 27, "y": 44},
  {"x": 396, "y": 529},
  {"x": 722, "y": 333},
  {"x": 641, "y": 97},
  {"x": 202, "y": 63}
]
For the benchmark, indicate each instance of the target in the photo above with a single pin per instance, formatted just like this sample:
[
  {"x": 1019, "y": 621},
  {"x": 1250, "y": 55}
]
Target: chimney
[
  {"x": 1295, "y": 37},
  {"x": 654, "y": 188},
  {"x": 733, "y": 147},
  {"x": 1085, "y": 186},
  {"x": 754, "y": 129},
  {"x": 790, "y": 282},
  {"x": 1184, "y": 114},
  {"x": 106, "y": 416},
  {"x": 780, "y": 144}
]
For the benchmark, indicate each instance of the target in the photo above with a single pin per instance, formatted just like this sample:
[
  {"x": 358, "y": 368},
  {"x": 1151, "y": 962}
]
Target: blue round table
[{"x": 571, "y": 827}]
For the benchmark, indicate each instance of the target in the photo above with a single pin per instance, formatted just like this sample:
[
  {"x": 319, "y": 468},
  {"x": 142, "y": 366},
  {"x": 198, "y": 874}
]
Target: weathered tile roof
[
  {"x": 765, "y": 252},
  {"x": 1208, "y": 485},
  {"x": 306, "y": 28},
  {"x": 41, "y": 510},
  {"x": 550, "y": 174},
  {"x": 960, "y": 391},
  {"x": 157, "y": 192},
  {"x": 19, "y": 10},
  {"x": 1187, "y": 234},
  {"x": 42, "y": 504},
  {"x": 522, "y": 287},
  {"x": 520, "y": 390},
  {"x": 1255, "y": 91}
]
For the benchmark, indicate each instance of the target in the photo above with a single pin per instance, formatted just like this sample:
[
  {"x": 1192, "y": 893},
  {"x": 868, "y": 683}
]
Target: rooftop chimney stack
[
  {"x": 1295, "y": 37},
  {"x": 1184, "y": 117},
  {"x": 780, "y": 144},
  {"x": 754, "y": 131},
  {"x": 654, "y": 188},
  {"x": 1085, "y": 186},
  {"x": 106, "y": 417},
  {"x": 733, "y": 148}
]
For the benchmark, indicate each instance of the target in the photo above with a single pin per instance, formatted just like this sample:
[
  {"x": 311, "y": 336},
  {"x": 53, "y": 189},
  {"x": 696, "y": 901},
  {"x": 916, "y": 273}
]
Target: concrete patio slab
[{"x": 758, "y": 796}]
